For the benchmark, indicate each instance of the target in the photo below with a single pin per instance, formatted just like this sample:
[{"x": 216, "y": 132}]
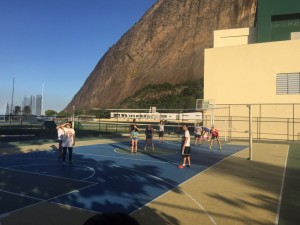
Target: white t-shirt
[
  {"x": 161, "y": 127},
  {"x": 68, "y": 137},
  {"x": 198, "y": 130},
  {"x": 188, "y": 136},
  {"x": 60, "y": 133}
]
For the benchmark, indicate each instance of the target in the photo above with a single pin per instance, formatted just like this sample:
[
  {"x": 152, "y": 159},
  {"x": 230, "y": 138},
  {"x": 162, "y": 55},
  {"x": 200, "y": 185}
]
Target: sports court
[{"x": 148, "y": 185}]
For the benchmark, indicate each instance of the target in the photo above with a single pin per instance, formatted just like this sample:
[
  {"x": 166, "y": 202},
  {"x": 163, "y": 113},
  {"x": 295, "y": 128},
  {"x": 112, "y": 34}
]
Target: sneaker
[
  {"x": 188, "y": 165},
  {"x": 152, "y": 149},
  {"x": 145, "y": 149},
  {"x": 180, "y": 166},
  {"x": 210, "y": 148},
  {"x": 220, "y": 148}
]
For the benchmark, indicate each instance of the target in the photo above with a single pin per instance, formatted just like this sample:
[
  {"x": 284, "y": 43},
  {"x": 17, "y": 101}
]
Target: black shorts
[
  {"x": 149, "y": 136},
  {"x": 160, "y": 134},
  {"x": 214, "y": 137},
  {"x": 197, "y": 136},
  {"x": 186, "y": 152}
]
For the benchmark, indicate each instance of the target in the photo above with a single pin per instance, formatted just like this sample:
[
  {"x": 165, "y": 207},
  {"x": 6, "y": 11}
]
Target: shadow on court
[{"x": 101, "y": 180}]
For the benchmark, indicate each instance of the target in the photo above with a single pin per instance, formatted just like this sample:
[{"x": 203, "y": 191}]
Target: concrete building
[
  {"x": 258, "y": 66},
  {"x": 39, "y": 105},
  {"x": 35, "y": 103}
]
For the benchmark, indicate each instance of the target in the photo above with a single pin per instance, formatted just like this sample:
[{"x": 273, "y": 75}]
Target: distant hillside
[
  {"x": 165, "y": 46},
  {"x": 166, "y": 96}
]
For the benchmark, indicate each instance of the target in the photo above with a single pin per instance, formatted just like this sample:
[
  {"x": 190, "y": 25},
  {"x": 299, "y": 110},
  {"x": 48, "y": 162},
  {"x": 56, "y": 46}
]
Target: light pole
[{"x": 12, "y": 102}]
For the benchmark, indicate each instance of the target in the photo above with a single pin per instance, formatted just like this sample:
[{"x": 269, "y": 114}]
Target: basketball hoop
[{"x": 204, "y": 104}]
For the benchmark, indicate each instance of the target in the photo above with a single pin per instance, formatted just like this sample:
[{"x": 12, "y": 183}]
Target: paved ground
[{"x": 234, "y": 191}]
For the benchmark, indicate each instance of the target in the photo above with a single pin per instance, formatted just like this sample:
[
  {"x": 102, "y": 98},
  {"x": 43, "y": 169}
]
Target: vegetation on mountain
[{"x": 166, "y": 96}]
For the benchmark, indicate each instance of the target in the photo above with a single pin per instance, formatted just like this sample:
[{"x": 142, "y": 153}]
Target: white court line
[
  {"x": 41, "y": 174},
  {"x": 281, "y": 188},
  {"x": 189, "y": 196},
  {"x": 73, "y": 165},
  {"x": 174, "y": 187},
  {"x": 47, "y": 200},
  {"x": 26, "y": 196},
  {"x": 194, "y": 200}
]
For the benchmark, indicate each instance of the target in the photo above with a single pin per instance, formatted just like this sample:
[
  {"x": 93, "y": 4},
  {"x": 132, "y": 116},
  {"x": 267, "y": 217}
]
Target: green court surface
[{"x": 290, "y": 208}]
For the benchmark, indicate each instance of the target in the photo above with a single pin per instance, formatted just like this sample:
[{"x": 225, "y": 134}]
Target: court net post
[{"x": 250, "y": 132}]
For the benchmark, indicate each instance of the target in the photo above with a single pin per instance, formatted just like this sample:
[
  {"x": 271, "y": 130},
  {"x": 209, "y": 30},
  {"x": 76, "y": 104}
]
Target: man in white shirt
[{"x": 186, "y": 147}]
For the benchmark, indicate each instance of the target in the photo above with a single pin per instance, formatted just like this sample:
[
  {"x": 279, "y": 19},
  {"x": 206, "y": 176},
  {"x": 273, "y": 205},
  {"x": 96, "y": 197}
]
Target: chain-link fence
[{"x": 269, "y": 122}]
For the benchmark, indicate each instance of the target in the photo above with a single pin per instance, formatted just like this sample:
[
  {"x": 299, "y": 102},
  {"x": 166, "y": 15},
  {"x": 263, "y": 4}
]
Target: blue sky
[{"x": 58, "y": 43}]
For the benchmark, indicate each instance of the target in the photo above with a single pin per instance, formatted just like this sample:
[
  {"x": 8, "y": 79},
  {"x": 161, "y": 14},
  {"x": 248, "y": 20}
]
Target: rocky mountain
[{"x": 166, "y": 45}]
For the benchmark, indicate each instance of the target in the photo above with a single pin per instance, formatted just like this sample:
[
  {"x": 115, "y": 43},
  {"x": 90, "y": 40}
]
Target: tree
[
  {"x": 17, "y": 110},
  {"x": 64, "y": 113},
  {"x": 50, "y": 112},
  {"x": 27, "y": 110}
]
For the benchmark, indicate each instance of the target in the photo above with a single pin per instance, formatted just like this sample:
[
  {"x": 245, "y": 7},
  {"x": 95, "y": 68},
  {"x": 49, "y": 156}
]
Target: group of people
[
  {"x": 204, "y": 133},
  {"x": 201, "y": 133},
  {"x": 149, "y": 133},
  {"x": 66, "y": 141}
]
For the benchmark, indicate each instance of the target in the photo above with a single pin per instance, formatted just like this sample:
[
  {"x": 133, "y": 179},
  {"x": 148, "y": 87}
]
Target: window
[{"x": 288, "y": 83}]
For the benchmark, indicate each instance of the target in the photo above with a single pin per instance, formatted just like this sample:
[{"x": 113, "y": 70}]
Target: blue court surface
[{"x": 103, "y": 177}]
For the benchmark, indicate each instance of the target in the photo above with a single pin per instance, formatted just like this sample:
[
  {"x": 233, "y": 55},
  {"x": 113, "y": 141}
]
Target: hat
[{"x": 68, "y": 124}]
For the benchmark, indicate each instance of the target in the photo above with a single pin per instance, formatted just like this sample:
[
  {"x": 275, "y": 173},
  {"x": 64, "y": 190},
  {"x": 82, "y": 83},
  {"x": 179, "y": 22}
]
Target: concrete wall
[
  {"x": 246, "y": 74},
  {"x": 242, "y": 36}
]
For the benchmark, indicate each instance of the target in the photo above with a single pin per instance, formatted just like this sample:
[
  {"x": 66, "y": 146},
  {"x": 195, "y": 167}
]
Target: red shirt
[{"x": 214, "y": 132}]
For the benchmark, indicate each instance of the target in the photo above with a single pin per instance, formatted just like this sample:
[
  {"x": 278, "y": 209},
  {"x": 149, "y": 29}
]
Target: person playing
[
  {"x": 132, "y": 125},
  {"x": 68, "y": 141},
  {"x": 161, "y": 132},
  {"x": 198, "y": 132},
  {"x": 214, "y": 135},
  {"x": 149, "y": 132},
  {"x": 134, "y": 139},
  {"x": 60, "y": 134},
  {"x": 205, "y": 133},
  {"x": 186, "y": 147}
]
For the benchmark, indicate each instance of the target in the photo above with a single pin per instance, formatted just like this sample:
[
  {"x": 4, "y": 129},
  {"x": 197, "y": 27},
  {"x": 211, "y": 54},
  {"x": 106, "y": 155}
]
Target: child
[
  {"x": 149, "y": 136},
  {"x": 134, "y": 139}
]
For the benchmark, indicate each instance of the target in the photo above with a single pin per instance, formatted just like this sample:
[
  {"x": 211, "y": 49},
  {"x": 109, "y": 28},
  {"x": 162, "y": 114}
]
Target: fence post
[
  {"x": 250, "y": 132},
  {"x": 99, "y": 125},
  {"x": 293, "y": 122},
  {"x": 288, "y": 128}
]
